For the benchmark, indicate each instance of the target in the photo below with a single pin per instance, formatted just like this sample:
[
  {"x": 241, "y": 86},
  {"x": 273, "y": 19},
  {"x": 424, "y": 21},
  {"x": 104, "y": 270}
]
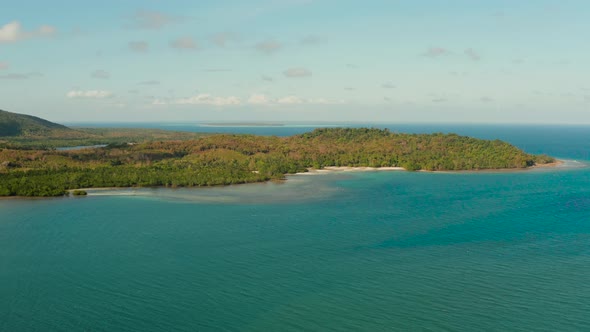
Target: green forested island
[{"x": 31, "y": 166}]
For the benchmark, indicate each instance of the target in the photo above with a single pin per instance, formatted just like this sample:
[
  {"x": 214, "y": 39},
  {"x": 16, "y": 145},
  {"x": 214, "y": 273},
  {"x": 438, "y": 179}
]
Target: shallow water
[{"x": 507, "y": 251}]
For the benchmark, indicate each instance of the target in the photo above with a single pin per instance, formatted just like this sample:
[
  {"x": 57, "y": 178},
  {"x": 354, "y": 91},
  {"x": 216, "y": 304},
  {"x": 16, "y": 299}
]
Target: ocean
[{"x": 358, "y": 251}]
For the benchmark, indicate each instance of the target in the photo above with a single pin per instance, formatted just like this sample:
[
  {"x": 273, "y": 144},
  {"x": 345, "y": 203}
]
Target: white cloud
[
  {"x": 159, "y": 102},
  {"x": 268, "y": 47},
  {"x": 324, "y": 101},
  {"x": 13, "y": 32},
  {"x": 295, "y": 100},
  {"x": 291, "y": 100},
  {"x": 202, "y": 99},
  {"x": 89, "y": 94},
  {"x": 138, "y": 46},
  {"x": 297, "y": 72},
  {"x": 101, "y": 74},
  {"x": 254, "y": 99},
  {"x": 184, "y": 43},
  {"x": 259, "y": 99}
]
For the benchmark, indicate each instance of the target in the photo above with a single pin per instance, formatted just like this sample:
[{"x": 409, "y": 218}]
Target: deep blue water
[{"x": 375, "y": 251}]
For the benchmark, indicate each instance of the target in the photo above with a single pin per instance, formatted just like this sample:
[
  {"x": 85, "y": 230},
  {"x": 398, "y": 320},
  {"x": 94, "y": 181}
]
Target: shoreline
[
  {"x": 334, "y": 169},
  {"x": 311, "y": 171},
  {"x": 556, "y": 163}
]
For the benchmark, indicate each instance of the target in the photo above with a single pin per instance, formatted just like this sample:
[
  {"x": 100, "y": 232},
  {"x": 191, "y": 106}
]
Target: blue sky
[{"x": 298, "y": 60}]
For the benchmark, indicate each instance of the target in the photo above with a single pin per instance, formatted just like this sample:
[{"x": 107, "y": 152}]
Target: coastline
[
  {"x": 336, "y": 169},
  {"x": 95, "y": 191},
  {"x": 556, "y": 163},
  {"x": 346, "y": 169},
  {"x": 333, "y": 169}
]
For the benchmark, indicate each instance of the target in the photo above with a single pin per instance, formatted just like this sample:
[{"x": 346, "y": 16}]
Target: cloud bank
[
  {"x": 89, "y": 94},
  {"x": 13, "y": 32},
  {"x": 201, "y": 99},
  {"x": 254, "y": 99}
]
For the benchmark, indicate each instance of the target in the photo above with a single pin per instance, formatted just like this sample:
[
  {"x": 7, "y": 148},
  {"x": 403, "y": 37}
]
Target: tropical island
[{"x": 30, "y": 164}]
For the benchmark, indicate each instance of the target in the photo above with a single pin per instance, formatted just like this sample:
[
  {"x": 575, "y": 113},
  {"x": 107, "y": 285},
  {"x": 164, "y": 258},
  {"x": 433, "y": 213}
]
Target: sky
[{"x": 435, "y": 61}]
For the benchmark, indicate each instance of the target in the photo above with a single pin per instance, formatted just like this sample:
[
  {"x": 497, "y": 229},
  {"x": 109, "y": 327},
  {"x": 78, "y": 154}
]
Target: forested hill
[
  {"x": 21, "y": 131},
  {"x": 14, "y": 124},
  {"x": 231, "y": 159},
  {"x": 434, "y": 152}
]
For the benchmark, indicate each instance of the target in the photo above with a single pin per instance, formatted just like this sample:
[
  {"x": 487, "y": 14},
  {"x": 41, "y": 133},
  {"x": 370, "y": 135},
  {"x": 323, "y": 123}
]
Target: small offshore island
[{"x": 30, "y": 165}]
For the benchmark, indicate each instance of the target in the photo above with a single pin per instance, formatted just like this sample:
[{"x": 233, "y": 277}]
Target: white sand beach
[{"x": 332, "y": 169}]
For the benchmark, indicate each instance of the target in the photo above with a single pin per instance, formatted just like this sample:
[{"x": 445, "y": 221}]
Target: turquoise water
[{"x": 340, "y": 251}]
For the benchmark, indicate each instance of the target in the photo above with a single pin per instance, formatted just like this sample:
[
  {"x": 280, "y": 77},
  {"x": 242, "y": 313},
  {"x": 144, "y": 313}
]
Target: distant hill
[
  {"x": 21, "y": 131},
  {"x": 14, "y": 124}
]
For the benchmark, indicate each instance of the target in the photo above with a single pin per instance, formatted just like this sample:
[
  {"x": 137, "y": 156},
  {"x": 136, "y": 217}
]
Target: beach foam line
[
  {"x": 567, "y": 163},
  {"x": 362, "y": 169}
]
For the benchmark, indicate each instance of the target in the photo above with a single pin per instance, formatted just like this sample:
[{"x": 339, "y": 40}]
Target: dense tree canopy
[{"x": 232, "y": 159}]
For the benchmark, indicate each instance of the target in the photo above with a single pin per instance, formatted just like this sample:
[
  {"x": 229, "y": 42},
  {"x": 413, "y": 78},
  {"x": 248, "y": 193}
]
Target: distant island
[{"x": 30, "y": 164}]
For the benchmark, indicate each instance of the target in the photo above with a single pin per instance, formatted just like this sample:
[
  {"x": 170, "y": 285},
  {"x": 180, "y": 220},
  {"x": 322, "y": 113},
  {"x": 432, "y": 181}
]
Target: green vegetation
[
  {"x": 20, "y": 131},
  {"x": 94, "y": 136},
  {"x": 79, "y": 193},
  {"x": 232, "y": 159},
  {"x": 13, "y": 124}
]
